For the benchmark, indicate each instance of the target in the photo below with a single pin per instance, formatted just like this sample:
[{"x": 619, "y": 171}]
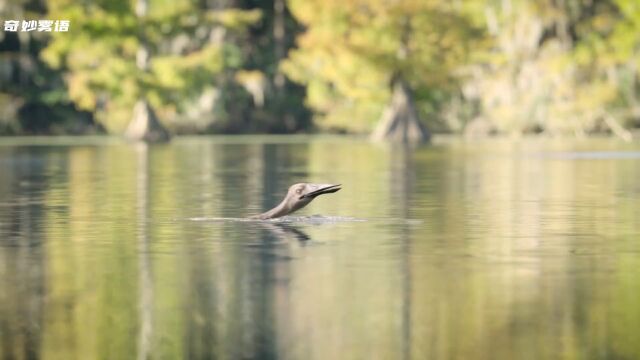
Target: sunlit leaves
[
  {"x": 557, "y": 67},
  {"x": 187, "y": 45},
  {"x": 353, "y": 48}
]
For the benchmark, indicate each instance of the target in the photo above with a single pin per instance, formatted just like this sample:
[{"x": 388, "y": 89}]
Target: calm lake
[{"x": 502, "y": 249}]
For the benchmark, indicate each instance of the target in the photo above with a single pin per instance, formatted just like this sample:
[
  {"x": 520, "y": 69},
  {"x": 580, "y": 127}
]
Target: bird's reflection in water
[
  {"x": 277, "y": 242},
  {"x": 287, "y": 233}
]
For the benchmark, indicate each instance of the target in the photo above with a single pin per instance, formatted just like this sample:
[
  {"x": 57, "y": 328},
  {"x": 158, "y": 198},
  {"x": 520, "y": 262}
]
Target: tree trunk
[
  {"x": 279, "y": 40},
  {"x": 144, "y": 125},
  {"x": 400, "y": 121}
]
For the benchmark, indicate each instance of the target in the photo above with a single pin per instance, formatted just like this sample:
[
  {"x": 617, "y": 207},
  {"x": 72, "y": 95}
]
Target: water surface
[{"x": 485, "y": 250}]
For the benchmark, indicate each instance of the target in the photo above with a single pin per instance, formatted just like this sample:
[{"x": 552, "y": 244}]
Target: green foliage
[
  {"x": 33, "y": 98},
  {"x": 558, "y": 67},
  {"x": 352, "y": 49},
  {"x": 187, "y": 45},
  {"x": 516, "y": 66}
]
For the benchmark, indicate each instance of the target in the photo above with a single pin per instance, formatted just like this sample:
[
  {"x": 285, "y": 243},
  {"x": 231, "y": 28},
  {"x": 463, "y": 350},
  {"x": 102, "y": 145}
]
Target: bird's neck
[{"x": 281, "y": 210}]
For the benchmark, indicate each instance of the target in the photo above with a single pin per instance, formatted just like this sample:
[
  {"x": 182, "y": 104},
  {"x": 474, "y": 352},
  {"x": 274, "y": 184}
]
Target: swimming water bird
[{"x": 298, "y": 196}]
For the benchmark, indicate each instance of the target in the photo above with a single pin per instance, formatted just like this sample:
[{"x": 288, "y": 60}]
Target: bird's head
[{"x": 301, "y": 194}]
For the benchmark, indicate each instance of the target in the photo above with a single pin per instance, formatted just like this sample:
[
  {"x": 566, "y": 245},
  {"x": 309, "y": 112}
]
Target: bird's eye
[{"x": 298, "y": 190}]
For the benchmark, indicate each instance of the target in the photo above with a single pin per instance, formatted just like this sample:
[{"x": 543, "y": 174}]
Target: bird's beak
[{"x": 319, "y": 189}]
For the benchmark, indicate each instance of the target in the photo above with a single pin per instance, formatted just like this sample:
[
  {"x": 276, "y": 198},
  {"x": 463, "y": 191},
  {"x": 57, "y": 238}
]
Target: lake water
[{"x": 484, "y": 250}]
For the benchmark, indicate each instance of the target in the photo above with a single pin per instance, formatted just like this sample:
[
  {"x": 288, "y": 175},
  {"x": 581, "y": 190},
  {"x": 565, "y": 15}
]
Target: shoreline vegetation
[{"x": 402, "y": 71}]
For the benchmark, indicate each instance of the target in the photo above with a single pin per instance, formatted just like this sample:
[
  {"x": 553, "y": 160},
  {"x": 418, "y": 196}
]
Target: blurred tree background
[{"x": 476, "y": 67}]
